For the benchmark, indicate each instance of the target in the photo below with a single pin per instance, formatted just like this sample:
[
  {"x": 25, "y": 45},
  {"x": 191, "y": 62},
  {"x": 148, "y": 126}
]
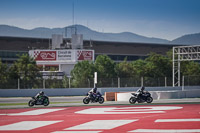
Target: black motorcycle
[
  {"x": 93, "y": 99},
  {"x": 141, "y": 97},
  {"x": 35, "y": 101}
]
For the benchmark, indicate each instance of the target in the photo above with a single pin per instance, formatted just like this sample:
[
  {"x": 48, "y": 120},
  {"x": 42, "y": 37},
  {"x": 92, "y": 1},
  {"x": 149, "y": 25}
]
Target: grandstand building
[{"x": 11, "y": 47}]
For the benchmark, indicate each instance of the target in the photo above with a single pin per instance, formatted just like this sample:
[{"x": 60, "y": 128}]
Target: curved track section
[{"x": 102, "y": 119}]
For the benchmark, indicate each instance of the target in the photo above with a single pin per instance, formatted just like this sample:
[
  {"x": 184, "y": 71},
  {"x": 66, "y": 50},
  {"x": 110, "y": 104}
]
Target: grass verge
[{"x": 15, "y": 104}]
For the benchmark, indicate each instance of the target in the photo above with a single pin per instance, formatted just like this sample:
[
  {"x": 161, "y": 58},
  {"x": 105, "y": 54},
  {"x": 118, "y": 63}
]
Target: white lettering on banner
[
  {"x": 128, "y": 110},
  {"x": 65, "y": 55}
]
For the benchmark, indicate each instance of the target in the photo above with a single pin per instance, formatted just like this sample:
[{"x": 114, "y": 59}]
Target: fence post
[
  {"x": 43, "y": 83},
  {"x": 183, "y": 82},
  {"x": 118, "y": 82},
  {"x": 95, "y": 79},
  {"x": 69, "y": 82},
  {"x": 18, "y": 83},
  {"x": 142, "y": 81},
  {"x": 88, "y": 83},
  {"x": 165, "y": 81}
]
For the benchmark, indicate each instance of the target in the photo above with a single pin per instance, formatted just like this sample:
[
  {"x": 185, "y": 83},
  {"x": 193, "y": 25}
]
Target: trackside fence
[{"x": 118, "y": 82}]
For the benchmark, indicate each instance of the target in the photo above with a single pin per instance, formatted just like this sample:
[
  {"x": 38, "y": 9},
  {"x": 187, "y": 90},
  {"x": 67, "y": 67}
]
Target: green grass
[
  {"x": 15, "y": 104},
  {"x": 12, "y": 104}
]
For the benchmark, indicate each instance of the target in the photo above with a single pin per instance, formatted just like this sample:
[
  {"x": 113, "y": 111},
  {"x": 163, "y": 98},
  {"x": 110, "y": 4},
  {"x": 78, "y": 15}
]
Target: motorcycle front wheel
[
  {"x": 31, "y": 103},
  {"x": 101, "y": 100},
  {"x": 149, "y": 100},
  {"x": 86, "y": 100},
  {"x": 132, "y": 100}
]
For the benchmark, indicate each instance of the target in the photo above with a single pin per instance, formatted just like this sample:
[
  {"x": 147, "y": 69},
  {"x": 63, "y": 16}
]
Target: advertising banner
[
  {"x": 44, "y": 55},
  {"x": 65, "y": 55},
  {"x": 84, "y": 55},
  {"x": 62, "y": 55}
]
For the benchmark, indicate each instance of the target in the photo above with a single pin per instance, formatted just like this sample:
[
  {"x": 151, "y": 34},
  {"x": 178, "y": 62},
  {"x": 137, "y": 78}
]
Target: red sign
[
  {"x": 45, "y": 55},
  {"x": 84, "y": 55}
]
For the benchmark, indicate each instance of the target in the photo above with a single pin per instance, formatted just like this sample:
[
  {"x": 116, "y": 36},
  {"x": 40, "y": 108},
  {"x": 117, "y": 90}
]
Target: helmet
[
  {"x": 142, "y": 88},
  {"x": 41, "y": 93},
  {"x": 95, "y": 89}
]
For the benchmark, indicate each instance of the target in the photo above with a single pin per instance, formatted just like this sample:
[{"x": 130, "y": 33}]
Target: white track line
[
  {"x": 26, "y": 125},
  {"x": 166, "y": 130},
  {"x": 101, "y": 124},
  {"x": 34, "y": 112},
  {"x": 176, "y": 120},
  {"x": 77, "y": 132}
]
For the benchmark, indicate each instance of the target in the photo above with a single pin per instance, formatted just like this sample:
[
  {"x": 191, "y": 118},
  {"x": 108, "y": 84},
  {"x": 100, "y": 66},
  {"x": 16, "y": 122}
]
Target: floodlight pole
[
  {"x": 95, "y": 79},
  {"x": 176, "y": 66}
]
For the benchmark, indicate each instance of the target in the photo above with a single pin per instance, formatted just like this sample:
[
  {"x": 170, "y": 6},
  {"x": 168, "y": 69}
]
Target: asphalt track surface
[
  {"x": 77, "y": 101},
  {"x": 70, "y": 115}
]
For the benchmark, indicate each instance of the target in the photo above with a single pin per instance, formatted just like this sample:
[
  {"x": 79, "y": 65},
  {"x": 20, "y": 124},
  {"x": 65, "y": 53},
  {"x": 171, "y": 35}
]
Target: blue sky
[{"x": 167, "y": 19}]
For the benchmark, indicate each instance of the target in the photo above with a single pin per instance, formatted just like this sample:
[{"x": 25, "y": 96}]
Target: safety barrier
[
  {"x": 157, "y": 92},
  {"x": 163, "y": 95}
]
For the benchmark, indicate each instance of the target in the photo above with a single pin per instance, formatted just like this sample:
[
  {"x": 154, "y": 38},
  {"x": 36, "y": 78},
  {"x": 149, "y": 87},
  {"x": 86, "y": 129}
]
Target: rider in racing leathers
[
  {"x": 141, "y": 91},
  {"x": 93, "y": 93},
  {"x": 40, "y": 96}
]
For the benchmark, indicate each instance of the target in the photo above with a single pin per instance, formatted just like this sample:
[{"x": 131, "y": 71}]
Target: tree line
[{"x": 155, "y": 65}]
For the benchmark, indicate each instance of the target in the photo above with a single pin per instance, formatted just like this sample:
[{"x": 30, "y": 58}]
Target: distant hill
[
  {"x": 88, "y": 34},
  {"x": 41, "y": 32},
  {"x": 190, "y": 39}
]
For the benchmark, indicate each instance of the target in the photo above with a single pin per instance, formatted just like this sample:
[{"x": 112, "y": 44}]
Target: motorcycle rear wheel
[
  {"x": 46, "y": 102},
  {"x": 149, "y": 100},
  {"x": 101, "y": 100},
  {"x": 132, "y": 100},
  {"x": 31, "y": 103},
  {"x": 86, "y": 100}
]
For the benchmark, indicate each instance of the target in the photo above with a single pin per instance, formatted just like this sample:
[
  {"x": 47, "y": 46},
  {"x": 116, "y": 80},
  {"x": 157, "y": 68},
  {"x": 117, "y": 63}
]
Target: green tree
[
  {"x": 158, "y": 66},
  {"x": 106, "y": 71},
  {"x": 190, "y": 68},
  {"x": 82, "y": 74},
  {"x": 139, "y": 67},
  {"x": 124, "y": 69},
  {"x": 105, "y": 67},
  {"x": 3, "y": 75},
  {"x": 26, "y": 69}
]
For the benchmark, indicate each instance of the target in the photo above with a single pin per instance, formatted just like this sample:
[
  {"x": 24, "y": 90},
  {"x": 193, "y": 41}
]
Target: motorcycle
[
  {"x": 93, "y": 99},
  {"x": 35, "y": 101},
  {"x": 141, "y": 98}
]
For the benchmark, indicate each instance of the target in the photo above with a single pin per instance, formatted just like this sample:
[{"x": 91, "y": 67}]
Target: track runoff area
[{"x": 184, "y": 118}]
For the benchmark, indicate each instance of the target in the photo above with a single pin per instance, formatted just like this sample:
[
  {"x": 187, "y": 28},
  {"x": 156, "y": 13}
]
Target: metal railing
[{"x": 66, "y": 82}]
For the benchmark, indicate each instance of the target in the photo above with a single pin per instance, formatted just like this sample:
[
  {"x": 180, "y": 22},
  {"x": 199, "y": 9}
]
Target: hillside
[
  {"x": 190, "y": 39},
  {"x": 88, "y": 34},
  {"x": 41, "y": 32}
]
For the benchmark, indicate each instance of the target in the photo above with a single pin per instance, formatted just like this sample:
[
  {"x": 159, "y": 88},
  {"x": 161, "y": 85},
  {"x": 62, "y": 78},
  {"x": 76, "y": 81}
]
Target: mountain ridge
[{"x": 43, "y": 32}]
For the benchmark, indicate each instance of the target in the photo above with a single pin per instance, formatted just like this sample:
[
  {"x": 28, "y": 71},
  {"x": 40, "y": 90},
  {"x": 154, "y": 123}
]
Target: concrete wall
[
  {"x": 82, "y": 91},
  {"x": 163, "y": 94},
  {"x": 49, "y": 92}
]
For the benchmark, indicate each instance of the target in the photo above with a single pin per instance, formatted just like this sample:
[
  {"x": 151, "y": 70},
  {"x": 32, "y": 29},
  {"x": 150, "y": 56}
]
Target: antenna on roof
[
  {"x": 73, "y": 13},
  {"x": 73, "y": 25}
]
